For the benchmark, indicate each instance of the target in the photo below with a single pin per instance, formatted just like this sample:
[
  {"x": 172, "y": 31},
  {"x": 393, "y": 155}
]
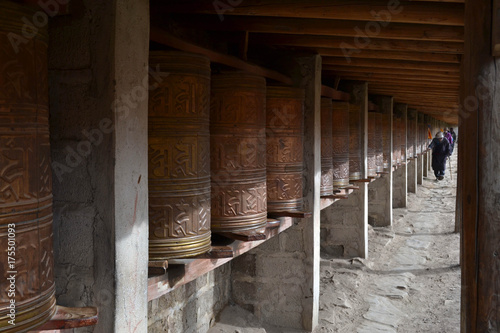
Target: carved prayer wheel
[
  {"x": 355, "y": 146},
  {"x": 284, "y": 139},
  {"x": 386, "y": 142},
  {"x": 379, "y": 142},
  {"x": 27, "y": 262},
  {"x": 238, "y": 152},
  {"x": 340, "y": 143},
  {"x": 179, "y": 157},
  {"x": 372, "y": 144},
  {"x": 326, "y": 147}
]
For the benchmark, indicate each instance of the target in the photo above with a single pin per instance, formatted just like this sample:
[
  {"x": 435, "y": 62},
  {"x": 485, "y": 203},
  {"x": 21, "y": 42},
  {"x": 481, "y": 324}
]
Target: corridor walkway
[{"x": 411, "y": 281}]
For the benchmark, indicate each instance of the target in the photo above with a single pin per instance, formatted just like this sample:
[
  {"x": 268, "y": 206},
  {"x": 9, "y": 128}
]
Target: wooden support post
[
  {"x": 412, "y": 141},
  {"x": 380, "y": 191},
  {"x": 344, "y": 224},
  {"x": 400, "y": 179},
  {"x": 479, "y": 153}
]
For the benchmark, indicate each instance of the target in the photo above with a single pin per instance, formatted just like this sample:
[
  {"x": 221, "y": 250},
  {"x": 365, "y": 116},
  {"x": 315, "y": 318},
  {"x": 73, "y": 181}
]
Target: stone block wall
[{"x": 193, "y": 307}]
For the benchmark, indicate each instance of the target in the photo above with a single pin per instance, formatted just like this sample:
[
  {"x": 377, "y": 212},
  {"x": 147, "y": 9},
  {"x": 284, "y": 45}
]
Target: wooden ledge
[
  {"x": 351, "y": 187},
  {"x": 245, "y": 236},
  {"x": 295, "y": 214},
  {"x": 362, "y": 180},
  {"x": 335, "y": 196},
  {"x": 66, "y": 318},
  {"x": 180, "y": 274}
]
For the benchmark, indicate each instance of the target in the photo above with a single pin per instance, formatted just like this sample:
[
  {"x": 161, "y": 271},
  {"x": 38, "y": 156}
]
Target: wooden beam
[
  {"x": 399, "y": 64},
  {"x": 347, "y": 75},
  {"x": 394, "y": 55},
  {"x": 357, "y": 45},
  {"x": 398, "y": 71},
  {"x": 325, "y": 27},
  {"x": 400, "y": 12},
  {"x": 335, "y": 94},
  {"x": 163, "y": 37}
]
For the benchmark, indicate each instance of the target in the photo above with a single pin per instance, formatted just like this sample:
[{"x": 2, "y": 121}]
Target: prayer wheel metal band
[
  {"x": 284, "y": 139},
  {"x": 340, "y": 143},
  {"x": 179, "y": 157},
  {"x": 25, "y": 176},
  {"x": 326, "y": 147},
  {"x": 355, "y": 165},
  {"x": 372, "y": 144},
  {"x": 238, "y": 152}
]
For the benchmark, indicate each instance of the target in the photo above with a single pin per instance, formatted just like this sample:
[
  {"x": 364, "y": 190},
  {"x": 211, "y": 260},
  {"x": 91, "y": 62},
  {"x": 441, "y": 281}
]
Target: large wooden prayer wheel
[
  {"x": 284, "y": 139},
  {"x": 27, "y": 263},
  {"x": 179, "y": 157},
  {"x": 386, "y": 143},
  {"x": 326, "y": 147},
  {"x": 238, "y": 152},
  {"x": 372, "y": 144},
  {"x": 340, "y": 143},
  {"x": 355, "y": 145}
]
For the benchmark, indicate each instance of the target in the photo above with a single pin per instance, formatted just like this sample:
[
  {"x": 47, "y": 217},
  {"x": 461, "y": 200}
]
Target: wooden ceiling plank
[
  {"x": 325, "y": 27},
  {"x": 393, "y": 55},
  {"x": 162, "y": 37},
  {"x": 375, "y": 70},
  {"x": 353, "y": 45},
  {"x": 375, "y": 10}
]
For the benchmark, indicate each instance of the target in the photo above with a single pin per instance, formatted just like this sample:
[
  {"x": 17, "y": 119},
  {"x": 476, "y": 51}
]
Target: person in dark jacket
[{"x": 440, "y": 152}]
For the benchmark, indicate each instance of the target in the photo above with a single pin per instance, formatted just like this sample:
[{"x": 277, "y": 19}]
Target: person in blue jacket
[{"x": 440, "y": 152}]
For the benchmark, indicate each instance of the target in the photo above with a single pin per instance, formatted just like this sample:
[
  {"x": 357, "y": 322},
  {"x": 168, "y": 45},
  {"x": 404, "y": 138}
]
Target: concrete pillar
[
  {"x": 412, "y": 141},
  {"x": 380, "y": 191},
  {"x": 400, "y": 179},
  {"x": 98, "y": 96},
  {"x": 420, "y": 158},
  {"x": 425, "y": 172},
  {"x": 345, "y": 223}
]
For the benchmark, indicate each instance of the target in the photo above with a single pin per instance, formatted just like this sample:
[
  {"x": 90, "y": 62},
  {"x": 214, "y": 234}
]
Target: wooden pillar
[
  {"x": 400, "y": 179},
  {"x": 380, "y": 191},
  {"x": 345, "y": 223},
  {"x": 411, "y": 148},
  {"x": 480, "y": 181},
  {"x": 420, "y": 155}
]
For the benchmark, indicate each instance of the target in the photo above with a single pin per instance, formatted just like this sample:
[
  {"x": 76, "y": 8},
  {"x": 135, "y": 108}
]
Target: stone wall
[{"x": 193, "y": 307}]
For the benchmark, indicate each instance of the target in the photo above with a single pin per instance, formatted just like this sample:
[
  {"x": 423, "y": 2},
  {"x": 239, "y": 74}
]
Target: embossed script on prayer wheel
[
  {"x": 372, "y": 144},
  {"x": 284, "y": 139},
  {"x": 238, "y": 152},
  {"x": 179, "y": 157},
  {"x": 25, "y": 177},
  {"x": 340, "y": 143},
  {"x": 354, "y": 142},
  {"x": 326, "y": 147},
  {"x": 386, "y": 142}
]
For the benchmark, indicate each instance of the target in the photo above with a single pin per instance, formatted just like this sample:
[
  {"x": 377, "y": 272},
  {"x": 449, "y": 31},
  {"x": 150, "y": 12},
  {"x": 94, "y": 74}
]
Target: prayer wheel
[
  {"x": 355, "y": 145},
  {"x": 379, "y": 142},
  {"x": 179, "y": 157},
  {"x": 238, "y": 152},
  {"x": 386, "y": 142},
  {"x": 410, "y": 136},
  {"x": 326, "y": 147},
  {"x": 372, "y": 144},
  {"x": 402, "y": 135},
  {"x": 396, "y": 144},
  {"x": 284, "y": 140},
  {"x": 340, "y": 143},
  {"x": 27, "y": 263}
]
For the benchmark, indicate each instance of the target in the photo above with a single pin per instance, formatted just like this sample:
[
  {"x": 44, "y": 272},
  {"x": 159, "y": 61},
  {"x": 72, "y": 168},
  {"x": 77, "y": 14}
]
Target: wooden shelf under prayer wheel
[
  {"x": 178, "y": 156},
  {"x": 284, "y": 140},
  {"x": 26, "y": 217},
  {"x": 238, "y": 152}
]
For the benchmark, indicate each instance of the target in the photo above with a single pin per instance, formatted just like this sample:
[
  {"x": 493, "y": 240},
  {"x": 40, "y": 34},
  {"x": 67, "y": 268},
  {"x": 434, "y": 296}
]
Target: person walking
[
  {"x": 440, "y": 152},
  {"x": 453, "y": 135}
]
